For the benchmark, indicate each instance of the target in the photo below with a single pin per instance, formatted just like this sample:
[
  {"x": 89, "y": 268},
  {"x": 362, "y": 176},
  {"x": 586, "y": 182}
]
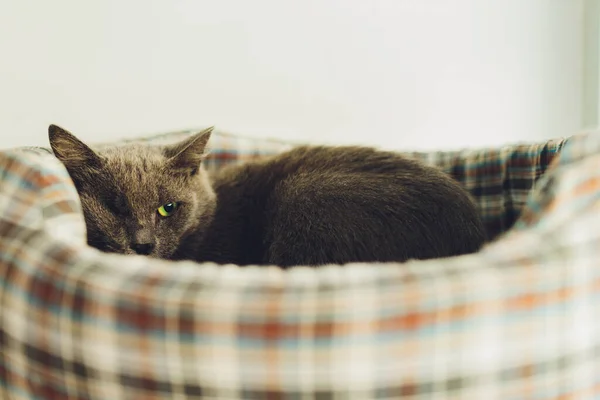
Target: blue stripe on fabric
[
  {"x": 18, "y": 179},
  {"x": 17, "y": 389}
]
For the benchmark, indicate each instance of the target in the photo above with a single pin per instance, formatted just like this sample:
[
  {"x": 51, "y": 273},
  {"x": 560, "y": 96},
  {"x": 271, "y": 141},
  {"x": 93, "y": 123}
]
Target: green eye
[{"x": 168, "y": 209}]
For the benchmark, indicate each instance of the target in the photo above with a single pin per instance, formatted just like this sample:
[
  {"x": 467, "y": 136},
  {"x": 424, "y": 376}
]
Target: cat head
[{"x": 139, "y": 198}]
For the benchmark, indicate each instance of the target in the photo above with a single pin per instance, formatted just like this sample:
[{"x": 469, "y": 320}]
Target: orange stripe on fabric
[
  {"x": 578, "y": 394},
  {"x": 586, "y": 187}
]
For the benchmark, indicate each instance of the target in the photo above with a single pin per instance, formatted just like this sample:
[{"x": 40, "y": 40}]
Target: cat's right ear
[
  {"x": 186, "y": 156},
  {"x": 72, "y": 152}
]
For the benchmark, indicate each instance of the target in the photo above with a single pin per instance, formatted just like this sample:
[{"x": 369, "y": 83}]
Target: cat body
[
  {"x": 312, "y": 205},
  {"x": 319, "y": 205}
]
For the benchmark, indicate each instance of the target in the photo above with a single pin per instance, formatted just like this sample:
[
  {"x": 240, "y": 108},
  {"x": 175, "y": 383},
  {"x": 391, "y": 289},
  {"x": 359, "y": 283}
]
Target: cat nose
[{"x": 142, "y": 248}]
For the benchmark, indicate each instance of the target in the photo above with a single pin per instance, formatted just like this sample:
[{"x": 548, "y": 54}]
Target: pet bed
[{"x": 518, "y": 320}]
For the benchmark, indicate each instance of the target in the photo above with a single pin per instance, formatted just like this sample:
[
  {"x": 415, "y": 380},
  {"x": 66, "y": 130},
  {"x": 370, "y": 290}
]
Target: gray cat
[{"x": 308, "y": 206}]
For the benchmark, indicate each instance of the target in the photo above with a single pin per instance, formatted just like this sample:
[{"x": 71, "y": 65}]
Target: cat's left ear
[
  {"x": 74, "y": 154},
  {"x": 186, "y": 156}
]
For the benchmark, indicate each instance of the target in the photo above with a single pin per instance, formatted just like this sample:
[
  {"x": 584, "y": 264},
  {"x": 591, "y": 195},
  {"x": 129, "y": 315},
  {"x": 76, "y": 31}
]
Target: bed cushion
[{"x": 516, "y": 320}]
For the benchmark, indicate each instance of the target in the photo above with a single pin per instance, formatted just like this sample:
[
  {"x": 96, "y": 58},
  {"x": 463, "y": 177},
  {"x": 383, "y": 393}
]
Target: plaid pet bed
[{"x": 517, "y": 320}]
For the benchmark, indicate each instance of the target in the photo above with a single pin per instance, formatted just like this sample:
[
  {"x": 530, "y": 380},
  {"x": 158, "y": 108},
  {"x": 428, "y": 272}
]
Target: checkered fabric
[{"x": 518, "y": 320}]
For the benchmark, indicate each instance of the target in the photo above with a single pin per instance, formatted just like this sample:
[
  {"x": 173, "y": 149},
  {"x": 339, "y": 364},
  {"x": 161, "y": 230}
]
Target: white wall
[
  {"x": 395, "y": 73},
  {"x": 591, "y": 64}
]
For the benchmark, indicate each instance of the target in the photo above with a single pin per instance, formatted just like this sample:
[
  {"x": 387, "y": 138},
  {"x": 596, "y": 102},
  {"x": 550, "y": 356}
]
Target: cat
[{"x": 311, "y": 205}]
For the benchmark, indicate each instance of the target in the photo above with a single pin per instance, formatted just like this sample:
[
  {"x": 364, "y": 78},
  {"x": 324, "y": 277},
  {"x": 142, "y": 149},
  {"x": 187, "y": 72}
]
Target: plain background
[{"x": 391, "y": 73}]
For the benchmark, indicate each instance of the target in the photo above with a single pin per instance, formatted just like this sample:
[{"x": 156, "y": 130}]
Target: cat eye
[{"x": 166, "y": 210}]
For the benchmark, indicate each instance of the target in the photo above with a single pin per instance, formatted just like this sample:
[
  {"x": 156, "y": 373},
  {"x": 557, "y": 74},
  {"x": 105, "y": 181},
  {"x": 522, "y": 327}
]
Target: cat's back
[
  {"x": 320, "y": 162},
  {"x": 342, "y": 159}
]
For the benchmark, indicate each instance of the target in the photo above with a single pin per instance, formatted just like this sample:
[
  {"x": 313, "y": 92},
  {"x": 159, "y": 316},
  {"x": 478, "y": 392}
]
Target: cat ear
[
  {"x": 72, "y": 152},
  {"x": 187, "y": 155}
]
